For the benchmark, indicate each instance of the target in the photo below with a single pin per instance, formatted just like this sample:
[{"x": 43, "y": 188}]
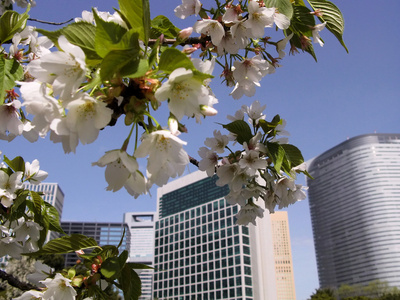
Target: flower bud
[
  {"x": 185, "y": 33},
  {"x": 208, "y": 111},
  {"x": 173, "y": 125}
]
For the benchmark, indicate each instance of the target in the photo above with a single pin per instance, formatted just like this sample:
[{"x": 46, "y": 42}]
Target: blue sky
[{"x": 324, "y": 103}]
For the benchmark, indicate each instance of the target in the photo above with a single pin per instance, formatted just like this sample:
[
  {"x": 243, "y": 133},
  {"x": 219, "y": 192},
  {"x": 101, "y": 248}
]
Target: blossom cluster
[
  {"x": 250, "y": 173},
  {"x": 65, "y": 94},
  {"x": 19, "y": 235},
  {"x": 239, "y": 27}
]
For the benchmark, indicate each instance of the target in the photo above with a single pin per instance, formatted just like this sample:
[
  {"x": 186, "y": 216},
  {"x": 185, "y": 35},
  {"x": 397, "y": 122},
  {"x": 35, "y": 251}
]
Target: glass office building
[
  {"x": 140, "y": 244},
  {"x": 355, "y": 211},
  {"x": 103, "y": 233},
  {"x": 199, "y": 251}
]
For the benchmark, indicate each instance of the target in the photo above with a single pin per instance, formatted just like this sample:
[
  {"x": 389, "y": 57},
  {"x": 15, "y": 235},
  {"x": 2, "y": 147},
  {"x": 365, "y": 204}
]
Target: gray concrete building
[{"x": 355, "y": 211}]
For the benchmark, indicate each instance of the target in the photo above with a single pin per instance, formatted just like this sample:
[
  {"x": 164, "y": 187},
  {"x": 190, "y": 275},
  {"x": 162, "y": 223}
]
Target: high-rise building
[
  {"x": 355, "y": 211},
  {"x": 140, "y": 244},
  {"x": 283, "y": 256},
  {"x": 103, "y": 233},
  {"x": 199, "y": 251}
]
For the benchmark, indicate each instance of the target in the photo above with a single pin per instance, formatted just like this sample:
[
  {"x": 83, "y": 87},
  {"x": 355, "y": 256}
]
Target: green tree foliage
[{"x": 323, "y": 294}]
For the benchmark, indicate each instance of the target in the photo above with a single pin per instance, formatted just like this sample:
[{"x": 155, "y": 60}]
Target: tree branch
[
  {"x": 50, "y": 23},
  {"x": 15, "y": 282},
  {"x": 193, "y": 161}
]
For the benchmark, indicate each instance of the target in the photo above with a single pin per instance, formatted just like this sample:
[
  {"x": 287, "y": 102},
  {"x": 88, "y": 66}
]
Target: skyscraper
[
  {"x": 103, "y": 233},
  {"x": 140, "y": 244},
  {"x": 199, "y": 251},
  {"x": 283, "y": 256},
  {"x": 355, "y": 211}
]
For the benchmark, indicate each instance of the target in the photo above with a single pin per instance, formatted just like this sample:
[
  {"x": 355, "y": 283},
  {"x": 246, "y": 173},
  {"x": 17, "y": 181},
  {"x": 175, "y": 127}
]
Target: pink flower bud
[{"x": 185, "y": 33}]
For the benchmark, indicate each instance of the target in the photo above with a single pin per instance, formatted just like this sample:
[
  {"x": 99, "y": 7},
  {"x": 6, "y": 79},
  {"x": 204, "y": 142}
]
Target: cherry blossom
[
  {"x": 209, "y": 160},
  {"x": 59, "y": 287},
  {"x": 248, "y": 214},
  {"x": 187, "y": 8},
  {"x": 32, "y": 172},
  {"x": 211, "y": 28},
  {"x": 119, "y": 166},
  {"x": 259, "y": 18},
  {"x": 86, "y": 116},
  {"x": 315, "y": 33},
  {"x": 9, "y": 117},
  {"x": 218, "y": 142},
  {"x": 65, "y": 70},
  {"x": 185, "y": 94},
  {"x": 166, "y": 156}
]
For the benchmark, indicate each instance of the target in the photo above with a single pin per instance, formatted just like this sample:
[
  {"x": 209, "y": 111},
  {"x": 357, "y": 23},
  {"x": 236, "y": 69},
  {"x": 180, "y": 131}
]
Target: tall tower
[
  {"x": 283, "y": 256},
  {"x": 355, "y": 211},
  {"x": 140, "y": 244},
  {"x": 199, "y": 251}
]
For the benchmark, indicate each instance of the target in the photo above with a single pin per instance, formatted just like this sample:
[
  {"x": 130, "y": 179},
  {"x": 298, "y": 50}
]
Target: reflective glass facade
[{"x": 199, "y": 251}]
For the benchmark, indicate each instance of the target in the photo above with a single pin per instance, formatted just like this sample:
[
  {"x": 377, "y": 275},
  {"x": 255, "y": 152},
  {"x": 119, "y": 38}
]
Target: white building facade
[
  {"x": 140, "y": 244},
  {"x": 199, "y": 251},
  {"x": 355, "y": 210}
]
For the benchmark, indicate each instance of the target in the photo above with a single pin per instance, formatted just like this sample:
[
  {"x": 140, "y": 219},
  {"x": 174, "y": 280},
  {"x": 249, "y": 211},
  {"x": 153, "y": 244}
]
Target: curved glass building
[{"x": 355, "y": 211}]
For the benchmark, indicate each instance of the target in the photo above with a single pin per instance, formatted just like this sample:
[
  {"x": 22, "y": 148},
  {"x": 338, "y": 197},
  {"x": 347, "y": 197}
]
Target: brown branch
[
  {"x": 189, "y": 41},
  {"x": 193, "y": 161},
  {"x": 50, "y": 23},
  {"x": 15, "y": 282}
]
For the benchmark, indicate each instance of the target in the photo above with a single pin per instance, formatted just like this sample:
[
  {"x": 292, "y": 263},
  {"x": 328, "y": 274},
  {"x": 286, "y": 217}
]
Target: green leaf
[
  {"x": 162, "y": 25},
  {"x": 38, "y": 203},
  {"x": 50, "y": 213},
  {"x": 119, "y": 60},
  {"x": 283, "y": 6},
  {"x": 135, "y": 70},
  {"x": 154, "y": 53},
  {"x": 332, "y": 16},
  {"x": 172, "y": 59},
  {"x": 277, "y": 154},
  {"x": 11, "y": 22},
  {"x": 81, "y": 34},
  {"x": 137, "y": 13},
  {"x": 241, "y": 129},
  {"x": 10, "y": 71},
  {"x": 130, "y": 283},
  {"x": 112, "y": 266},
  {"x": 270, "y": 126},
  {"x": 17, "y": 164},
  {"x": 108, "y": 36},
  {"x": 293, "y": 155},
  {"x": 18, "y": 208},
  {"x": 302, "y": 21},
  {"x": 66, "y": 244},
  {"x": 295, "y": 40}
]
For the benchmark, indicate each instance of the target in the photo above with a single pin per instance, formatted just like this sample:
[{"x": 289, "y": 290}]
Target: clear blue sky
[{"x": 341, "y": 96}]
